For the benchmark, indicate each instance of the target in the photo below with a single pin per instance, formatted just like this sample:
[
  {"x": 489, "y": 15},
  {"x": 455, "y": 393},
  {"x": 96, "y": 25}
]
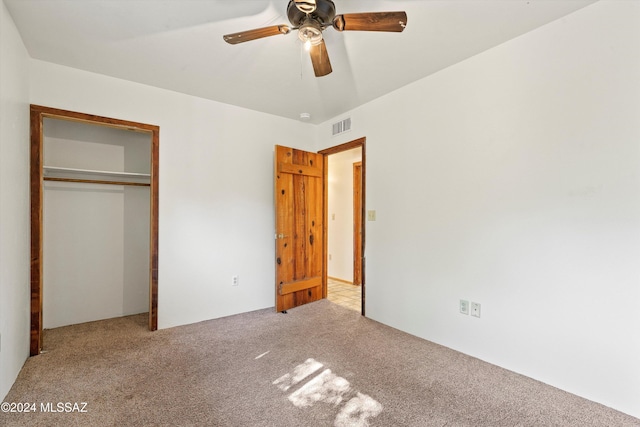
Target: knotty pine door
[{"x": 300, "y": 230}]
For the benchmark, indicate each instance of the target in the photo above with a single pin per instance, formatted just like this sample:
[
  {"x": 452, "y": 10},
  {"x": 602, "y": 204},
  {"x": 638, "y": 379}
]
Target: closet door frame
[{"x": 38, "y": 114}]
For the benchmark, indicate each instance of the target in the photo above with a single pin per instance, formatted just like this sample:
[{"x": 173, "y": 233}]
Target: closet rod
[{"x": 97, "y": 181}]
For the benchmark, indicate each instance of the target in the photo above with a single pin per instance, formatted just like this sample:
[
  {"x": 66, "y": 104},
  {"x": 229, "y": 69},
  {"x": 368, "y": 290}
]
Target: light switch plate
[{"x": 371, "y": 215}]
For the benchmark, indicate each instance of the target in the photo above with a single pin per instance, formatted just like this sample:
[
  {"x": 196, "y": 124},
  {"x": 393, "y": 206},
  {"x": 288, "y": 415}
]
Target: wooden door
[
  {"x": 299, "y": 202},
  {"x": 357, "y": 223}
]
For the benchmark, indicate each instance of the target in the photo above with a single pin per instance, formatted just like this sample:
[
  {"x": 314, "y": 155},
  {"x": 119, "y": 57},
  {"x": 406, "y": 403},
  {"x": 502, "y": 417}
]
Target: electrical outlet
[
  {"x": 464, "y": 306},
  {"x": 234, "y": 281},
  {"x": 475, "y": 309}
]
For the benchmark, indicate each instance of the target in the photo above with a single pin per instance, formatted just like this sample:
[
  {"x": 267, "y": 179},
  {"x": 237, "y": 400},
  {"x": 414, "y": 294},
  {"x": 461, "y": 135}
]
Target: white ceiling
[{"x": 178, "y": 45}]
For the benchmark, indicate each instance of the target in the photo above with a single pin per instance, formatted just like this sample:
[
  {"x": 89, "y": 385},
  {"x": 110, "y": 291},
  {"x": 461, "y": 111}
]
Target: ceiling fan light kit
[
  {"x": 310, "y": 32},
  {"x": 311, "y": 17}
]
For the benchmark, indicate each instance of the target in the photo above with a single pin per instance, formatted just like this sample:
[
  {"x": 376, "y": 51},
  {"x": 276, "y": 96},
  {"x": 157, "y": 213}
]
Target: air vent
[{"x": 342, "y": 126}]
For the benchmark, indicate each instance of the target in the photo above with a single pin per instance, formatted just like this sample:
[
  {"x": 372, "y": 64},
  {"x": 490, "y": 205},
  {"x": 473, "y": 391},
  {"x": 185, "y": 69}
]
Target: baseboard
[{"x": 340, "y": 280}]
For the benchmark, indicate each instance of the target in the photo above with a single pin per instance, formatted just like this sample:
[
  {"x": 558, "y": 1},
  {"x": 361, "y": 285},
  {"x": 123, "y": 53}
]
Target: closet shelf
[{"x": 54, "y": 170}]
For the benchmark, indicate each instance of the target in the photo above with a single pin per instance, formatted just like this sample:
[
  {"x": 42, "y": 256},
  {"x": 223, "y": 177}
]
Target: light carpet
[{"x": 318, "y": 365}]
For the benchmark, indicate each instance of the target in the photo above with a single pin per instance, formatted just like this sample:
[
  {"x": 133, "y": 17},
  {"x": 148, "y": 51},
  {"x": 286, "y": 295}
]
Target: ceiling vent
[{"x": 341, "y": 127}]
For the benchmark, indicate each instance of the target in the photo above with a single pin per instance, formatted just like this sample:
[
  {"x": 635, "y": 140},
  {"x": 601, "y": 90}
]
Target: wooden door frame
[
  {"x": 38, "y": 114},
  {"x": 357, "y": 143}
]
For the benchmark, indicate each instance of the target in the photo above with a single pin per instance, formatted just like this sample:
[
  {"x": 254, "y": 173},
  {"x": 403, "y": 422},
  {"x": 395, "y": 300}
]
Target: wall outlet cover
[
  {"x": 475, "y": 309},
  {"x": 464, "y": 306}
]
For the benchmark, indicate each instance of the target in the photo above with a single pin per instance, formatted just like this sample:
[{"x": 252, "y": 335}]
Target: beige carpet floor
[{"x": 318, "y": 365}]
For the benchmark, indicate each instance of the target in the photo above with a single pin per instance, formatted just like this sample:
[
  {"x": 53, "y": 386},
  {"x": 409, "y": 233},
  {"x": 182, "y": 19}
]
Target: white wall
[
  {"x": 512, "y": 179},
  {"x": 14, "y": 202},
  {"x": 340, "y": 227},
  {"x": 136, "y": 219},
  {"x": 216, "y": 187},
  {"x": 96, "y": 237}
]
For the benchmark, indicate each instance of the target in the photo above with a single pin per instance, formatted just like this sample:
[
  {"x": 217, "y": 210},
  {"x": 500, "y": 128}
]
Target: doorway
[{"x": 344, "y": 213}]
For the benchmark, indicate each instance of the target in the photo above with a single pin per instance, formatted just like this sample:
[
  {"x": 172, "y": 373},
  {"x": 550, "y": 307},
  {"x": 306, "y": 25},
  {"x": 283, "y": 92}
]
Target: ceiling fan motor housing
[{"x": 324, "y": 13}]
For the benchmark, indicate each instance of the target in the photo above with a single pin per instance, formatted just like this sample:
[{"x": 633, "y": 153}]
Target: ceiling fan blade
[
  {"x": 258, "y": 33},
  {"x": 374, "y": 21},
  {"x": 320, "y": 59}
]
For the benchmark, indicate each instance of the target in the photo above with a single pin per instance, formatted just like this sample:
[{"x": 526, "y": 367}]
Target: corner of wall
[{"x": 14, "y": 203}]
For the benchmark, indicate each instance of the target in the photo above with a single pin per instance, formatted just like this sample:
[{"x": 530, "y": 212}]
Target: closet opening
[{"x": 94, "y": 220}]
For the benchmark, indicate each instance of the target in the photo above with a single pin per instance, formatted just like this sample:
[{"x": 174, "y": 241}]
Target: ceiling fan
[{"x": 311, "y": 17}]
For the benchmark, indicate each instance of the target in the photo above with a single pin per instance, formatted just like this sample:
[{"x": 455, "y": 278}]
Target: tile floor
[{"x": 344, "y": 294}]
